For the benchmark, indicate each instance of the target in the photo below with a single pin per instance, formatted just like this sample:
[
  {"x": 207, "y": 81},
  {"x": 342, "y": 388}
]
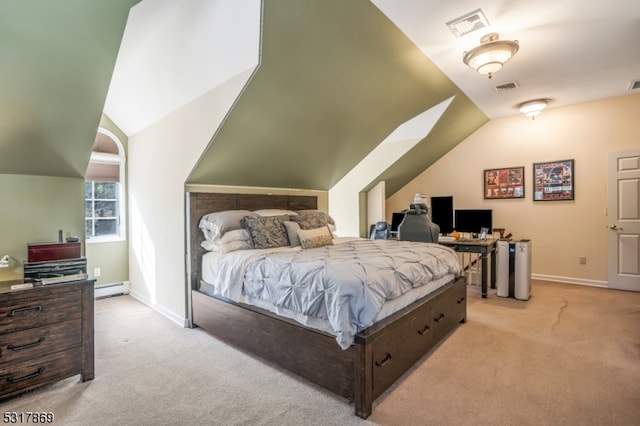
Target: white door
[{"x": 624, "y": 220}]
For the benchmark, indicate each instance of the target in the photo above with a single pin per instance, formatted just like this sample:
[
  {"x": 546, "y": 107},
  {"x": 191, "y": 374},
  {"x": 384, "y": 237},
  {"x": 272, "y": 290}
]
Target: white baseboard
[
  {"x": 571, "y": 280},
  {"x": 113, "y": 289},
  {"x": 182, "y": 322}
]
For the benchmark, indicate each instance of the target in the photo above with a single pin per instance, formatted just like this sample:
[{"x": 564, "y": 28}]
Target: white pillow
[
  {"x": 220, "y": 247},
  {"x": 235, "y": 235},
  {"x": 275, "y": 212},
  {"x": 214, "y": 225}
]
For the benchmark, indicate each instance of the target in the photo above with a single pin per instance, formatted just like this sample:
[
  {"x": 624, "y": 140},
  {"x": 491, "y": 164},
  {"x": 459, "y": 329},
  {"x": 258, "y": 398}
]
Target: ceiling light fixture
[
  {"x": 533, "y": 108},
  {"x": 491, "y": 55}
]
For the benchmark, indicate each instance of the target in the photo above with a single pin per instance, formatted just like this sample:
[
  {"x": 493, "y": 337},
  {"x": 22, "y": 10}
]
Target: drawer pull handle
[
  {"x": 461, "y": 300},
  {"x": 384, "y": 361},
  {"x": 440, "y": 318},
  {"x": 424, "y": 330},
  {"x": 13, "y": 312},
  {"x": 27, "y": 377},
  {"x": 28, "y": 345}
]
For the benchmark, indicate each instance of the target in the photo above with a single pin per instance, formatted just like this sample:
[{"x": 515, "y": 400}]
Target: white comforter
[{"x": 345, "y": 283}]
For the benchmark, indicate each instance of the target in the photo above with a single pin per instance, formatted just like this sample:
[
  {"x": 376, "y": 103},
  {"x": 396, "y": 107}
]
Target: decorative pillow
[
  {"x": 314, "y": 212},
  {"x": 332, "y": 229},
  {"x": 275, "y": 212},
  {"x": 312, "y": 219},
  {"x": 292, "y": 232},
  {"x": 312, "y": 238},
  {"x": 214, "y": 225},
  {"x": 267, "y": 231}
]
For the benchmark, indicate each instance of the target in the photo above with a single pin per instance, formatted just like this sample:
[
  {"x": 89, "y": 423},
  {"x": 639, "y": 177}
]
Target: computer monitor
[
  {"x": 396, "y": 220},
  {"x": 473, "y": 220},
  {"x": 442, "y": 213}
]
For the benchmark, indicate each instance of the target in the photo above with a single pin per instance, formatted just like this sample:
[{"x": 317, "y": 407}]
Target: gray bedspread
[{"x": 346, "y": 283}]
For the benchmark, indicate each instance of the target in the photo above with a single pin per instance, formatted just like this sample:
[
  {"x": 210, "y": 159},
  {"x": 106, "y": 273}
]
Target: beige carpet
[{"x": 568, "y": 356}]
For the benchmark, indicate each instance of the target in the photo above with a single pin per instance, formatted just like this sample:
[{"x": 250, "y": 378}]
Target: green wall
[{"x": 33, "y": 209}]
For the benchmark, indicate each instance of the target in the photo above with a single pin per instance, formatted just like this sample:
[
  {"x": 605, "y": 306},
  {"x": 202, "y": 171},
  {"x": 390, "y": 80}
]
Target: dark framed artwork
[
  {"x": 553, "y": 181},
  {"x": 504, "y": 183}
]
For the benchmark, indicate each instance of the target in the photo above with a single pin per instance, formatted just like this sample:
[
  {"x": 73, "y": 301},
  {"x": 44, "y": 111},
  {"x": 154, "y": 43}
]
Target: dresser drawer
[
  {"x": 29, "y": 374},
  {"x": 35, "y": 309},
  {"x": 39, "y": 341}
]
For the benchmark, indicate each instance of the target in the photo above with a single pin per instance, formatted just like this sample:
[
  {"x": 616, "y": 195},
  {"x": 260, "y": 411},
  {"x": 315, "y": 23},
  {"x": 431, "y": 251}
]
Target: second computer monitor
[
  {"x": 442, "y": 213},
  {"x": 473, "y": 220}
]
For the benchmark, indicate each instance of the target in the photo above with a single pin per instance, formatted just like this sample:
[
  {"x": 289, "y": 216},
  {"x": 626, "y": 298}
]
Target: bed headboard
[{"x": 201, "y": 203}]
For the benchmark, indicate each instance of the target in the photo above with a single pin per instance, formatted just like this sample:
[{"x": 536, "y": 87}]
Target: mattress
[{"x": 339, "y": 289}]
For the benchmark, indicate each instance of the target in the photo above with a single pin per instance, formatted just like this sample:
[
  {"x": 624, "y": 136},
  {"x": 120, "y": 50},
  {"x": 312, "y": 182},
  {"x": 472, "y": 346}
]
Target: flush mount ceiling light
[
  {"x": 533, "y": 108},
  {"x": 491, "y": 55}
]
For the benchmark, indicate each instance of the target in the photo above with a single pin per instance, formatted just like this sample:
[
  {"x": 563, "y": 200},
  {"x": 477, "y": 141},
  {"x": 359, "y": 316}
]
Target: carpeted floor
[{"x": 568, "y": 356}]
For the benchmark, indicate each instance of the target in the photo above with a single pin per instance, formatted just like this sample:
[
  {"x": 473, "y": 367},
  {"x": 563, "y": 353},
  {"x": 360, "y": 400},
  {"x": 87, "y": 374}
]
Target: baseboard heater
[{"x": 113, "y": 289}]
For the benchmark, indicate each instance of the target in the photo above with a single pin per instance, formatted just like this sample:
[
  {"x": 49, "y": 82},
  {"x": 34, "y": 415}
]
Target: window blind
[{"x": 102, "y": 172}]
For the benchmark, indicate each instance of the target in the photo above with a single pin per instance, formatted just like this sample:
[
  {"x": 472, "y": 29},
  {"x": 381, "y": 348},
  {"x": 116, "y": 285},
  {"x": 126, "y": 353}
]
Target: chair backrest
[
  {"x": 380, "y": 231},
  {"x": 417, "y": 226}
]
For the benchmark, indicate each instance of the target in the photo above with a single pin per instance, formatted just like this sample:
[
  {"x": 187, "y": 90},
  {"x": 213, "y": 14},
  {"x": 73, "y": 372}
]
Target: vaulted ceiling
[
  {"x": 56, "y": 60},
  {"x": 335, "y": 78}
]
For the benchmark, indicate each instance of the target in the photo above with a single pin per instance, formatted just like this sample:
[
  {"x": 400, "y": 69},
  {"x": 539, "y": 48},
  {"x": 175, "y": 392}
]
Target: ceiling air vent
[
  {"x": 467, "y": 23},
  {"x": 507, "y": 86},
  {"x": 635, "y": 84}
]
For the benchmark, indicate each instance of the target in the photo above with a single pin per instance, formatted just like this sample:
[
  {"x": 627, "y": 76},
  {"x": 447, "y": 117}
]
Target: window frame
[{"x": 121, "y": 201}]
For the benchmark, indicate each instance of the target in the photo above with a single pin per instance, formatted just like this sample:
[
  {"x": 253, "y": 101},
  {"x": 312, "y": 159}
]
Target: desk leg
[{"x": 484, "y": 274}]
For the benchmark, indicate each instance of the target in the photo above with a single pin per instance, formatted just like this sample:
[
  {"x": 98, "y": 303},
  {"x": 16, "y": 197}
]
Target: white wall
[
  {"x": 173, "y": 51},
  {"x": 376, "y": 204},
  {"x": 561, "y": 231},
  {"x": 160, "y": 160},
  {"x": 344, "y": 200},
  {"x": 163, "y": 154}
]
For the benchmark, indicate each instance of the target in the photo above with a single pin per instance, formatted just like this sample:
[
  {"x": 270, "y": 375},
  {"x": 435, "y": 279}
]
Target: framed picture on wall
[
  {"x": 553, "y": 181},
  {"x": 504, "y": 183}
]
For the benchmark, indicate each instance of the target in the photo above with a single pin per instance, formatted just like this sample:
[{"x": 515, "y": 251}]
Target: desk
[{"x": 485, "y": 248}]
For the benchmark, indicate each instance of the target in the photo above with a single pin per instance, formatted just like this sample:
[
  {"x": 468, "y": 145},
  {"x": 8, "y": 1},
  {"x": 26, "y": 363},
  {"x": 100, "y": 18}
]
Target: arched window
[{"x": 104, "y": 190}]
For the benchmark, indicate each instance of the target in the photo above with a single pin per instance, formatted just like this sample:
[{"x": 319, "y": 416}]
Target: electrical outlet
[
  {"x": 96, "y": 272},
  {"x": 583, "y": 260}
]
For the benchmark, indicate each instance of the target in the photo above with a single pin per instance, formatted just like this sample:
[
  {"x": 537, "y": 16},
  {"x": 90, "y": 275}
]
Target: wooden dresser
[{"x": 46, "y": 334}]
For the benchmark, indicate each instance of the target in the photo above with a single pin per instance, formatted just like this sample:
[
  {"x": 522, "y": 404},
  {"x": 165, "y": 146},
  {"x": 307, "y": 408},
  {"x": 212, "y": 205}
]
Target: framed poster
[
  {"x": 553, "y": 181},
  {"x": 504, "y": 183}
]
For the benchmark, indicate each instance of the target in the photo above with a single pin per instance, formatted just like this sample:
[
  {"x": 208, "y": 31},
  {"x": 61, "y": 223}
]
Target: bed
[{"x": 360, "y": 371}]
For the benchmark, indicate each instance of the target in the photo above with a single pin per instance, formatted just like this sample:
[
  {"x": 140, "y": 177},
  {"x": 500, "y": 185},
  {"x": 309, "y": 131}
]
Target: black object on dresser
[{"x": 46, "y": 334}]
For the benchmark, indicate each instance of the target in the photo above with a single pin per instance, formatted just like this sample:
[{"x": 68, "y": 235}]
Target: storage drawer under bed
[{"x": 404, "y": 342}]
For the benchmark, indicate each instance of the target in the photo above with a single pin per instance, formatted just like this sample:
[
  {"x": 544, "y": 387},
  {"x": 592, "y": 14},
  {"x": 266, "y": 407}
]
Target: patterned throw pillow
[
  {"x": 312, "y": 238},
  {"x": 266, "y": 231},
  {"x": 312, "y": 219}
]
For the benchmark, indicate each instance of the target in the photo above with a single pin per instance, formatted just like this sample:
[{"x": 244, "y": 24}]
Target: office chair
[
  {"x": 417, "y": 226},
  {"x": 380, "y": 231}
]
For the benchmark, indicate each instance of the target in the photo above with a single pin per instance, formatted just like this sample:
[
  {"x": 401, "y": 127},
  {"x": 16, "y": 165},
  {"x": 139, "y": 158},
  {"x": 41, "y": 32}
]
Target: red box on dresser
[{"x": 44, "y": 252}]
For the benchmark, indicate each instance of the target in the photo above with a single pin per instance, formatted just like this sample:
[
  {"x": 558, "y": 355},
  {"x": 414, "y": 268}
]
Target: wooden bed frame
[{"x": 381, "y": 353}]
